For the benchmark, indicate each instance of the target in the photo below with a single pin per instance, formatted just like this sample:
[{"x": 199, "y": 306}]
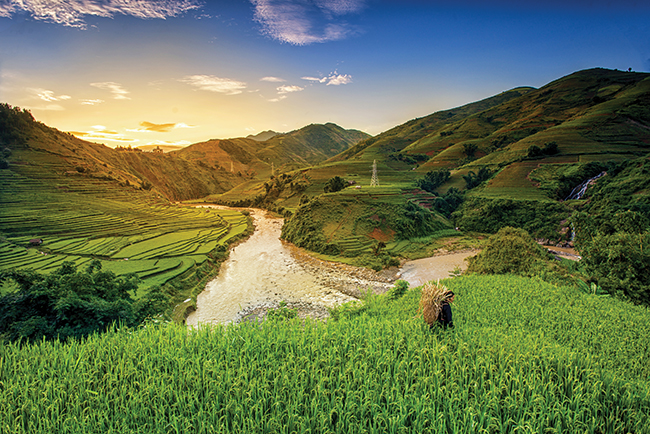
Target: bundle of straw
[{"x": 433, "y": 294}]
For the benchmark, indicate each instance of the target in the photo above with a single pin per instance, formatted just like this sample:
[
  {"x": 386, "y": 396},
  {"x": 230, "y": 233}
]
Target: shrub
[
  {"x": 509, "y": 251},
  {"x": 433, "y": 180},
  {"x": 616, "y": 254},
  {"x": 397, "y": 291},
  {"x": 335, "y": 184}
]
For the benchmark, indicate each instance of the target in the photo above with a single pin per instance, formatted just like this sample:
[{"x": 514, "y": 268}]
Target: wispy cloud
[
  {"x": 303, "y": 22},
  {"x": 289, "y": 89},
  {"x": 101, "y": 133},
  {"x": 115, "y": 88},
  {"x": 73, "y": 12},
  {"x": 273, "y": 79},
  {"x": 334, "y": 79},
  {"x": 147, "y": 127},
  {"x": 91, "y": 101},
  {"x": 215, "y": 84},
  {"x": 48, "y": 95}
]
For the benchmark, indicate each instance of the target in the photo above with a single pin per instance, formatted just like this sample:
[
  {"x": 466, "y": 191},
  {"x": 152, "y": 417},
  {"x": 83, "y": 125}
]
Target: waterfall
[{"x": 580, "y": 190}]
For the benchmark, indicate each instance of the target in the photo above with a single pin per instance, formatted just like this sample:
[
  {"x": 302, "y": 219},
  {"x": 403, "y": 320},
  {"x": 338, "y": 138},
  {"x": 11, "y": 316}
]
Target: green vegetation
[
  {"x": 335, "y": 184},
  {"x": 71, "y": 304},
  {"x": 433, "y": 179},
  {"x": 524, "y": 356},
  {"x": 352, "y": 222},
  {"x": 542, "y": 219},
  {"x": 514, "y": 251},
  {"x": 616, "y": 254}
]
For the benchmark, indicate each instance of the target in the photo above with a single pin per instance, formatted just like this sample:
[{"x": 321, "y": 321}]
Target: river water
[{"x": 264, "y": 270}]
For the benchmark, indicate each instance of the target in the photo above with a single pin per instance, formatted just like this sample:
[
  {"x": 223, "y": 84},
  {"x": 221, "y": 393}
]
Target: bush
[
  {"x": 541, "y": 219},
  {"x": 397, "y": 291},
  {"x": 509, "y": 251},
  {"x": 616, "y": 254},
  {"x": 335, "y": 184},
  {"x": 433, "y": 180},
  {"x": 68, "y": 303}
]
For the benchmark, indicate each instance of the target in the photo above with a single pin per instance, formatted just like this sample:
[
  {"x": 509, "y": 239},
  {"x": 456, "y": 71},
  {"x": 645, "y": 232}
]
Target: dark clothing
[{"x": 444, "y": 317}]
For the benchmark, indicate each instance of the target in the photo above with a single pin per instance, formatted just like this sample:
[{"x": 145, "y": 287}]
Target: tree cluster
[
  {"x": 549, "y": 148},
  {"x": 616, "y": 253},
  {"x": 433, "y": 179},
  {"x": 71, "y": 304}
]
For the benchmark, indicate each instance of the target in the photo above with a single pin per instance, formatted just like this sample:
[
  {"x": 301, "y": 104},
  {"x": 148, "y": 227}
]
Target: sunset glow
[{"x": 184, "y": 71}]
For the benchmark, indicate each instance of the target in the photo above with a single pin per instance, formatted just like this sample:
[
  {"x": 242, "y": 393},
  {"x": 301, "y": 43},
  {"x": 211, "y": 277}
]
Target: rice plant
[{"x": 525, "y": 357}]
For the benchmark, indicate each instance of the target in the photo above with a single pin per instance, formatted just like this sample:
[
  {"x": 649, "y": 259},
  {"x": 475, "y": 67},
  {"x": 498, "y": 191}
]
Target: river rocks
[{"x": 303, "y": 310}]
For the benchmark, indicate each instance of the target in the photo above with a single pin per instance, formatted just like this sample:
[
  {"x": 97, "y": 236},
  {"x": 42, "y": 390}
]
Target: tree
[
  {"x": 470, "y": 149},
  {"x": 335, "y": 184},
  {"x": 616, "y": 253},
  {"x": 69, "y": 303},
  {"x": 511, "y": 250},
  {"x": 433, "y": 179},
  {"x": 475, "y": 179}
]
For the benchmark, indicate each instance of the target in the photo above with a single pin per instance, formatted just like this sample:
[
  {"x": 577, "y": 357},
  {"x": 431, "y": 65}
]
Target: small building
[{"x": 35, "y": 241}]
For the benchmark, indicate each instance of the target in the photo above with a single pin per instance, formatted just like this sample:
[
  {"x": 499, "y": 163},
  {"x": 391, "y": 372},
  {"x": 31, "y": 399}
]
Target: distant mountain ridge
[
  {"x": 263, "y": 136},
  {"x": 289, "y": 151},
  {"x": 196, "y": 171}
]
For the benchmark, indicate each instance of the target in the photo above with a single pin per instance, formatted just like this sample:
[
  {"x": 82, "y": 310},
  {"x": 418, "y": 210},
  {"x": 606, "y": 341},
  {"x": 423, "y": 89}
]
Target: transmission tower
[{"x": 374, "y": 181}]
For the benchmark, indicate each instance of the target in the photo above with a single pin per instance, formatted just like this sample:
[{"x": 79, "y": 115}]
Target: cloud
[
  {"x": 303, "y": 22},
  {"x": 48, "y": 107},
  {"x": 148, "y": 127},
  {"x": 334, "y": 79},
  {"x": 71, "y": 13},
  {"x": 289, "y": 89},
  {"x": 115, "y": 88},
  {"x": 273, "y": 79},
  {"x": 279, "y": 98},
  {"x": 48, "y": 95},
  {"x": 91, "y": 101},
  {"x": 215, "y": 84},
  {"x": 101, "y": 133}
]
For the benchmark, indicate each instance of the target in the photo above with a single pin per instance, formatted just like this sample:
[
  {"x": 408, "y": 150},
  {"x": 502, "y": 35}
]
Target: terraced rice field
[{"x": 80, "y": 219}]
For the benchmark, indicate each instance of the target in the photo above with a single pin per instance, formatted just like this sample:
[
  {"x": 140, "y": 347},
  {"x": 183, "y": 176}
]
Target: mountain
[
  {"x": 283, "y": 152},
  {"x": 510, "y": 160},
  {"x": 263, "y": 136}
]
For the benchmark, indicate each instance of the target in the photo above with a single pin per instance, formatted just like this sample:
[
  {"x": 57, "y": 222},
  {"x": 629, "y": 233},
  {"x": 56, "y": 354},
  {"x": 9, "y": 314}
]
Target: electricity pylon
[{"x": 374, "y": 181}]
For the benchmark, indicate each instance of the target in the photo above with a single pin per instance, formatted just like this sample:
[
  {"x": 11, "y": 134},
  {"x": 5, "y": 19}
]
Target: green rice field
[
  {"x": 128, "y": 230},
  {"x": 524, "y": 357}
]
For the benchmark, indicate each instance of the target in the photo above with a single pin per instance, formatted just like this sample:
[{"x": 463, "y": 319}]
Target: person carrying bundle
[
  {"x": 434, "y": 304},
  {"x": 445, "y": 318}
]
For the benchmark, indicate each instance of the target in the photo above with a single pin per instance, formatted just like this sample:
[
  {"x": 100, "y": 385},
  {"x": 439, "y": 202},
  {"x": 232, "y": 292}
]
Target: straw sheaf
[{"x": 433, "y": 294}]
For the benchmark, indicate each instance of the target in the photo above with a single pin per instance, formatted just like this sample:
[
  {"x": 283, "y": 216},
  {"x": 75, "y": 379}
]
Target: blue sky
[{"x": 182, "y": 71}]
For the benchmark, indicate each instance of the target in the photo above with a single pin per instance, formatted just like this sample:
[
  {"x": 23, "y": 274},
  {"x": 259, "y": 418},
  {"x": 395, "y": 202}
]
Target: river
[{"x": 263, "y": 271}]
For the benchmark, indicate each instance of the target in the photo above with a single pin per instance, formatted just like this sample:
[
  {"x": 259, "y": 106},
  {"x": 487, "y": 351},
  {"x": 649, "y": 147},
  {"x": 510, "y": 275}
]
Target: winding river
[{"x": 265, "y": 270}]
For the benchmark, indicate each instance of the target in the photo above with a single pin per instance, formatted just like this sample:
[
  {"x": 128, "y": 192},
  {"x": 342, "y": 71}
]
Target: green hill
[
  {"x": 513, "y": 157},
  {"x": 524, "y": 356}
]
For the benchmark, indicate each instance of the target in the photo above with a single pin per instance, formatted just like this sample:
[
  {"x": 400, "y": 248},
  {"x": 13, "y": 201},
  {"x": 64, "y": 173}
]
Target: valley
[{"x": 107, "y": 254}]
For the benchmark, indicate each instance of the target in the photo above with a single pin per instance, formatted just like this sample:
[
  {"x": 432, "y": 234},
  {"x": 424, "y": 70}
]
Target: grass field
[
  {"x": 524, "y": 357},
  {"x": 128, "y": 230}
]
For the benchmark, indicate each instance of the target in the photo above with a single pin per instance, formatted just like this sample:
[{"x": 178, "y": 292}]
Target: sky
[{"x": 176, "y": 72}]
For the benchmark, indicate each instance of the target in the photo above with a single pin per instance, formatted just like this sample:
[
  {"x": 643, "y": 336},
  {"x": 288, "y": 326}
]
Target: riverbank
[{"x": 263, "y": 271}]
